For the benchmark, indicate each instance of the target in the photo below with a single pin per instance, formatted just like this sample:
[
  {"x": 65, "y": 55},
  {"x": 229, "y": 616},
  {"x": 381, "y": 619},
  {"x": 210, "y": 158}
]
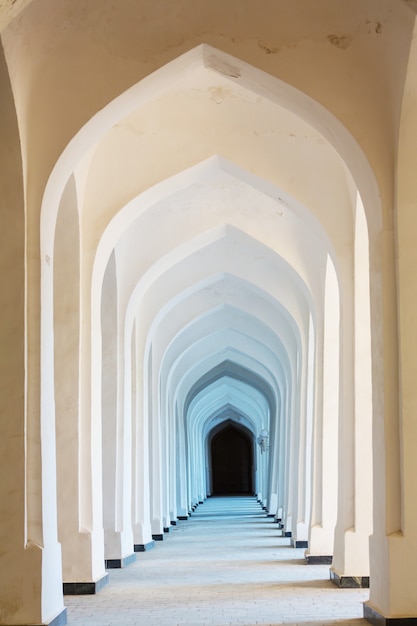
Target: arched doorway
[{"x": 231, "y": 461}]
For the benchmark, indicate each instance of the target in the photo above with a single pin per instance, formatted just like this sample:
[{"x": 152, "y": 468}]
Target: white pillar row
[{"x": 324, "y": 469}]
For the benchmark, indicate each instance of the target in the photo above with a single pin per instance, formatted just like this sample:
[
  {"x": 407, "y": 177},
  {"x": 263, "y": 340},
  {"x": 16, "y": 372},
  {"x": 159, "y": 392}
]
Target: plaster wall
[{"x": 352, "y": 59}]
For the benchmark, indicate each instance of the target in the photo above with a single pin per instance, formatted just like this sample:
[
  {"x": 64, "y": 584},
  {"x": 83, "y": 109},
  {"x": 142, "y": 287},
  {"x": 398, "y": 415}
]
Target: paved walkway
[{"x": 225, "y": 565}]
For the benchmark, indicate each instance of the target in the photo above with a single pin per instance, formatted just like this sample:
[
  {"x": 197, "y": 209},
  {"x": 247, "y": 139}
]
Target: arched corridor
[
  {"x": 226, "y": 565},
  {"x": 209, "y": 216}
]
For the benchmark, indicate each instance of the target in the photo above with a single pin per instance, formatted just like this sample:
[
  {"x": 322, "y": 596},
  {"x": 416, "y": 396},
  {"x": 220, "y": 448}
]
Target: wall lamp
[{"x": 263, "y": 440}]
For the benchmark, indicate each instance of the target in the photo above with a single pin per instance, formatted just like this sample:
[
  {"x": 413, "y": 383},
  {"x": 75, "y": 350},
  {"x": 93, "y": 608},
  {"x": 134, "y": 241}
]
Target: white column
[
  {"x": 182, "y": 466},
  {"x": 141, "y": 517},
  {"x": 154, "y": 451},
  {"x": 116, "y": 412},
  {"x": 354, "y": 524},
  {"x": 82, "y": 564},
  {"x": 394, "y": 540},
  {"x": 304, "y": 451},
  {"x": 292, "y": 443},
  {"x": 324, "y": 503}
]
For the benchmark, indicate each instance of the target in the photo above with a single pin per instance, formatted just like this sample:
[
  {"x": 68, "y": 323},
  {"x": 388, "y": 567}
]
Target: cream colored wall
[{"x": 67, "y": 62}]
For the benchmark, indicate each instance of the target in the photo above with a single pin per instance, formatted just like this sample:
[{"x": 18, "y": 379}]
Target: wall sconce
[{"x": 263, "y": 440}]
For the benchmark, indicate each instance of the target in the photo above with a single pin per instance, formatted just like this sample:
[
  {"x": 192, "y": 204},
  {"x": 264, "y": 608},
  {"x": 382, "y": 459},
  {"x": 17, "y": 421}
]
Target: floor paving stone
[{"x": 226, "y": 565}]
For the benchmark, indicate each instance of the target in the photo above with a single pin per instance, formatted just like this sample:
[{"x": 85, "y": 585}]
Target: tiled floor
[{"x": 225, "y": 565}]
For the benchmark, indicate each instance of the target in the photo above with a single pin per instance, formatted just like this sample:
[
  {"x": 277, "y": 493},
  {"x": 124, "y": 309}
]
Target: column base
[
  {"x": 349, "y": 582},
  {"x": 377, "y": 619},
  {"x": 287, "y": 533},
  {"x": 174, "y": 523},
  {"x": 183, "y": 518},
  {"x": 167, "y": 529},
  {"x": 143, "y": 547},
  {"x": 318, "y": 559},
  {"x": 158, "y": 537},
  {"x": 59, "y": 620},
  {"x": 86, "y": 588},
  {"x": 119, "y": 563},
  {"x": 299, "y": 544}
]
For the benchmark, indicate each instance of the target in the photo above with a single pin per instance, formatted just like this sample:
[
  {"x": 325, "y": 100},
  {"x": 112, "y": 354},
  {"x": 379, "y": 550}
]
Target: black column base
[
  {"x": 144, "y": 547},
  {"x": 377, "y": 619},
  {"x": 119, "y": 563},
  {"x": 286, "y": 533},
  {"x": 299, "y": 544},
  {"x": 158, "y": 537},
  {"x": 318, "y": 559},
  {"x": 166, "y": 529},
  {"x": 349, "y": 582},
  {"x": 183, "y": 518},
  {"x": 83, "y": 589}
]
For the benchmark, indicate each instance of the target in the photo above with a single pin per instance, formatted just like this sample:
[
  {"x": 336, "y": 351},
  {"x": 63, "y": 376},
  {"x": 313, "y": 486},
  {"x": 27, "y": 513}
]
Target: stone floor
[{"x": 225, "y": 565}]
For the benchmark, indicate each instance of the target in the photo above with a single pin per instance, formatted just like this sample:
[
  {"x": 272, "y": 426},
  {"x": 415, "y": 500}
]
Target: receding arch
[
  {"x": 231, "y": 459},
  {"x": 103, "y": 252}
]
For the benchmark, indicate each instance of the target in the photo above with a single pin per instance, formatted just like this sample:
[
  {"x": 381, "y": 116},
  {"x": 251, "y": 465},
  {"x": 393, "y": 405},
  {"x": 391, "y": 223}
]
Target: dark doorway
[{"x": 231, "y": 459}]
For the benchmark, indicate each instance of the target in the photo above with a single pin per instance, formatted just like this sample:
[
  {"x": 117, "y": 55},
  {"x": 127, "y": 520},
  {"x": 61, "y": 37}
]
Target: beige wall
[{"x": 330, "y": 116}]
